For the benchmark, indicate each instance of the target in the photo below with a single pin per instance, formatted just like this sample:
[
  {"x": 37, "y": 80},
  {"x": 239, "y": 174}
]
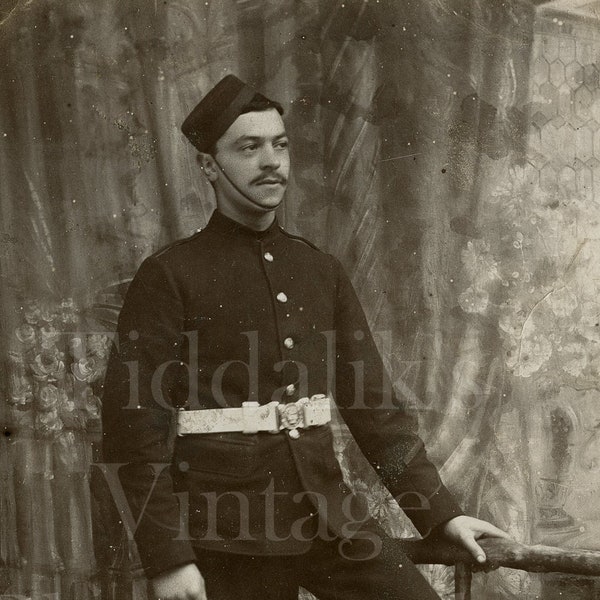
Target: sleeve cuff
[
  {"x": 164, "y": 556},
  {"x": 427, "y": 513}
]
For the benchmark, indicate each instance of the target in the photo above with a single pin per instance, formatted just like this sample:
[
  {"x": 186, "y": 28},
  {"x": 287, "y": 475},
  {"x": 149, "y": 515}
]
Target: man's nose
[{"x": 270, "y": 158}]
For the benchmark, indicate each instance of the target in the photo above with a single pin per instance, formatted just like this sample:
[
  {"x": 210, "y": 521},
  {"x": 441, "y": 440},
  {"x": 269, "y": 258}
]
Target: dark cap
[{"x": 215, "y": 113}]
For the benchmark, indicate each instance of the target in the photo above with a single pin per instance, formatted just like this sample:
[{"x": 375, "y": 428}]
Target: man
[{"x": 252, "y": 330}]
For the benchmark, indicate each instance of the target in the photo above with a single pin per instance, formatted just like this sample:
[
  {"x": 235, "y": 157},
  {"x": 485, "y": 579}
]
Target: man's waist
[{"x": 253, "y": 417}]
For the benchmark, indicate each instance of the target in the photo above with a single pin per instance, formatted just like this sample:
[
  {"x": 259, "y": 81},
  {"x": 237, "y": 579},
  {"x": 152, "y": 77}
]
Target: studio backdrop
[{"x": 446, "y": 151}]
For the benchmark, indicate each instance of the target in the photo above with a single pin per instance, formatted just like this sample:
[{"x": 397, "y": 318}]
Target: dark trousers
[{"x": 330, "y": 571}]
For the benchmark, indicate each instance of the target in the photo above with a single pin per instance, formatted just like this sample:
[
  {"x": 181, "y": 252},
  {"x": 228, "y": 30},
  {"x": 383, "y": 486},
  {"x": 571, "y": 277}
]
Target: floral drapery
[{"x": 403, "y": 117}]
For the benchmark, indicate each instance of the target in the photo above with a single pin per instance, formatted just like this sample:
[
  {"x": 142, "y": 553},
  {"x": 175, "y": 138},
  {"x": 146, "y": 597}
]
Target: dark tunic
[{"x": 230, "y": 315}]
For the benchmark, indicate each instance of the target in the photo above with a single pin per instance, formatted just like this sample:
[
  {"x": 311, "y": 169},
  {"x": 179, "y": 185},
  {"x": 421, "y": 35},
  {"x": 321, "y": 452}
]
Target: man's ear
[{"x": 208, "y": 166}]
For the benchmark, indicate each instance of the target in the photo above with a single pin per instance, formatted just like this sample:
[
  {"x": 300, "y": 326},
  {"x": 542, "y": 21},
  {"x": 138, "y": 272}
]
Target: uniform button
[
  {"x": 268, "y": 256},
  {"x": 290, "y": 389},
  {"x": 288, "y": 343},
  {"x": 281, "y": 297}
]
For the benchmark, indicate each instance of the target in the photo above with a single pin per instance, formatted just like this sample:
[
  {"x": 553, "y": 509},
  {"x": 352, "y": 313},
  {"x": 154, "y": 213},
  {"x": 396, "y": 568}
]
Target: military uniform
[{"x": 231, "y": 315}]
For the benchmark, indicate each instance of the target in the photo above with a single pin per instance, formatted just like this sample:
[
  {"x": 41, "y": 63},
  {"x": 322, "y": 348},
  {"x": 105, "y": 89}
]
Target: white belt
[{"x": 253, "y": 417}]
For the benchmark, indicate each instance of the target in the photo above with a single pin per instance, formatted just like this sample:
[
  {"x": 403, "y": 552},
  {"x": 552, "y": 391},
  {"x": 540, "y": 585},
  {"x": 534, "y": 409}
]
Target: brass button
[
  {"x": 290, "y": 389},
  {"x": 268, "y": 256},
  {"x": 281, "y": 297},
  {"x": 288, "y": 343}
]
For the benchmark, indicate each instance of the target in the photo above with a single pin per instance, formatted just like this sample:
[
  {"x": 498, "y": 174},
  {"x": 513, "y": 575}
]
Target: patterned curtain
[{"x": 404, "y": 116}]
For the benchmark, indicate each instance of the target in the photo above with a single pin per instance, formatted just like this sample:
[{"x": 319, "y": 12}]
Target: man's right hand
[{"x": 182, "y": 583}]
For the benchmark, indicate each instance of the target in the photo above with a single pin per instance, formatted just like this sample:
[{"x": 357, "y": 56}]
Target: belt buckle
[
  {"x": 291, "y": 417},
  {"x": 275, "y": 417}
]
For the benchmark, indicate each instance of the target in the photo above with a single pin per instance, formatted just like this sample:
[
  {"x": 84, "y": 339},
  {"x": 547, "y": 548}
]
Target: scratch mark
[
  {"x": 577, "y": 251},
  {"x": 16, "y": 6},
  {"x": 399, "y": 157}
]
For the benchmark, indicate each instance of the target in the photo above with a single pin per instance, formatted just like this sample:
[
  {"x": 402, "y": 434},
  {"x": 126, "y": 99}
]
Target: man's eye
[
  {"x": 249, "y": 148},
  {"x": 282, "y": 144}
]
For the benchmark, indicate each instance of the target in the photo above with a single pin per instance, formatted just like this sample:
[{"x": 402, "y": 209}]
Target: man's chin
[{"x": 268, "y": 203}]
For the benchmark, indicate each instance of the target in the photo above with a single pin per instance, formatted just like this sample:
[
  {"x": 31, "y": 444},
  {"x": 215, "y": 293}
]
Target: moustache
[{"x": 270, "y": 179}]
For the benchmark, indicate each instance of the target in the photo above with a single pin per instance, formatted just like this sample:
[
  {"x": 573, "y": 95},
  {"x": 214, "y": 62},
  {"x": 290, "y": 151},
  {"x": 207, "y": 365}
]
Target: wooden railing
[
  {"x": 123, "y": 580},
  {"x": 501, "y": 553}
]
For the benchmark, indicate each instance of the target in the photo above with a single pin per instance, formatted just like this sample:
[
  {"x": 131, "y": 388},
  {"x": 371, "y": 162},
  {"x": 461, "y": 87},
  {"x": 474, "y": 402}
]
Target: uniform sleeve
[
  {"x": 383, "y": 424},
  {"x": 143, "y": 375}
]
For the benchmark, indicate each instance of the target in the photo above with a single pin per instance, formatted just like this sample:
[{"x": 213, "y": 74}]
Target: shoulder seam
[
  {"x": 174, "y": 244},
  {"x": 301, "y": 239}
]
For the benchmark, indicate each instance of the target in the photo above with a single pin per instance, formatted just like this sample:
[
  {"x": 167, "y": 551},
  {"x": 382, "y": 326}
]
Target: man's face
[{"x": 254, "y": 154}]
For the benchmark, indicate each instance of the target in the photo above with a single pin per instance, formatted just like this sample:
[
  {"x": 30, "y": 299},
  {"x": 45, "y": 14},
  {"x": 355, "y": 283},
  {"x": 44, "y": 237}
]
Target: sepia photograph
[{"x": 299, "y": 299}]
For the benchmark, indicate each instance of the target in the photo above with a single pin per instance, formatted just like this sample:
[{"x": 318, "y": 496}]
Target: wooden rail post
[{"x": 462, "y": 581}]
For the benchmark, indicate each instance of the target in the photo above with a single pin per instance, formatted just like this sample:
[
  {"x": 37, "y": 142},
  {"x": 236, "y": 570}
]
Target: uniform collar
[{"x": 219, "y": 223}]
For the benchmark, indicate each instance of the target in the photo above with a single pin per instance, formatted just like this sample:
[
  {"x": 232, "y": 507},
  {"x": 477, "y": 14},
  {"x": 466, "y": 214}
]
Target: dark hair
[{"x": 258, "y": 103}]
